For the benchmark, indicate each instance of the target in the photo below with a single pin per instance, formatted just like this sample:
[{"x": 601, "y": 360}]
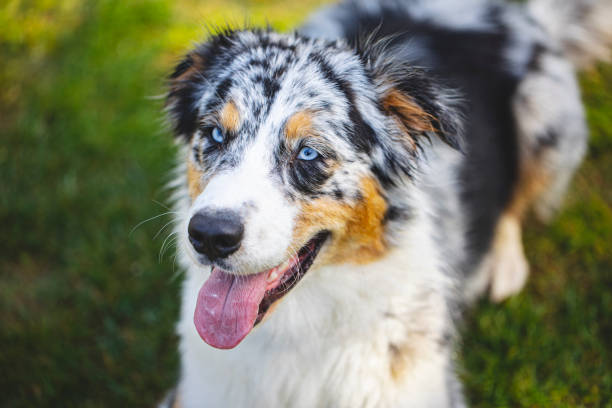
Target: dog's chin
[{"x": 230, "y": 305}]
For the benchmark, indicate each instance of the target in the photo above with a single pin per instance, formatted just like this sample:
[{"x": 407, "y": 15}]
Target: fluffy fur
[{"x": 437, "y": 124}]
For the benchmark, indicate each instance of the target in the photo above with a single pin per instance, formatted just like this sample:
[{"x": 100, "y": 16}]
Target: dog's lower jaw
[{"x": 346, "y": 336}]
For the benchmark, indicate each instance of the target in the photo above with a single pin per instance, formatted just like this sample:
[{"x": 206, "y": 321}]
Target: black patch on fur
[
  {"x": 270, "y": 88},
  {"x": 394, "y": 213},
  {"x": 196, "y": 154},
  {"x": 394, "y": 165},
  {"x": 220, "y": 95},
  {"x": 473, "y": 62},
  {"x": 382, "y": 176},
  {"x": 182, "y": 67},
  {"x": 183, "y": 110},
  {"x": 306, "y": 176},
  {"x": 266, "y": 43},
  {"x": 546, "y": 140},
  {"x": 309, "y": 175},
  {"x": 256, "y": 62},
  {"x": 362, "y": 136},
  {"x": 535, "y": 58},
  {"x": 223, "y": 88}
]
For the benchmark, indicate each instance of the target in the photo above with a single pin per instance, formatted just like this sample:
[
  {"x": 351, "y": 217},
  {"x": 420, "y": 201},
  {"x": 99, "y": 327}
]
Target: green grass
[{"x": 86, "y": 308}]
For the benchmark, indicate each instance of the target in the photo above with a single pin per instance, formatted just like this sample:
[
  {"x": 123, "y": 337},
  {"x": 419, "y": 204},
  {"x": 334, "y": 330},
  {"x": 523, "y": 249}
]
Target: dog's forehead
[{"x": 271, "y": 77}]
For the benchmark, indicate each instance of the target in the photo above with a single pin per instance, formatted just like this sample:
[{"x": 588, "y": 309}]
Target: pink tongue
[{"x": 227, "y": 307}]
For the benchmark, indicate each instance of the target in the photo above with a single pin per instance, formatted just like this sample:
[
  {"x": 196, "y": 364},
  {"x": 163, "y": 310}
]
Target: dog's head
[{"x": 295, "y": 148}]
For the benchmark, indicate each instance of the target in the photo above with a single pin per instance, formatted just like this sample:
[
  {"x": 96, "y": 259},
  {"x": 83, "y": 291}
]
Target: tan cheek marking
[
  {"x": 358, "y": 230},
  {"x": 194, "y": 181},
  {"x": 409, "y": 114},
  {"x": 364, "y": 238},
  {"x": 229, "y": 117},
  {"x": 298, "y": 126}
]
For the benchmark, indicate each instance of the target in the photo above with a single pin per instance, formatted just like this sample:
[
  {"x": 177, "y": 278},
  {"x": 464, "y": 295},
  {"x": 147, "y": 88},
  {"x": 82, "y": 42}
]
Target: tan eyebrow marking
[
  {"x": 230, "y": 117},
  {"x": 299, "y": 125}
]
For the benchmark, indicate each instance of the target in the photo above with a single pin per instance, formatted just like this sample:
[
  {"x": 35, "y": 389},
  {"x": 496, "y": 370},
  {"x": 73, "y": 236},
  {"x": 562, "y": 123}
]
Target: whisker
[
  {"x": 291, "y": 249},
  {"x": 164, "y": 227},
  {"x": 163, "y": 205},
  {"x": 171, "y": 238},
  {"x": 147, "y": 220},
  {"x": 177, "y": 272}
]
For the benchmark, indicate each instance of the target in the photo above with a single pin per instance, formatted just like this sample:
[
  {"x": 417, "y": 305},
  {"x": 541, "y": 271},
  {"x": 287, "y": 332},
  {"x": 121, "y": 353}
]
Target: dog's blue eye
[
  {"x": 308, "y": 153},
  {"x": 217, "y": 135}
]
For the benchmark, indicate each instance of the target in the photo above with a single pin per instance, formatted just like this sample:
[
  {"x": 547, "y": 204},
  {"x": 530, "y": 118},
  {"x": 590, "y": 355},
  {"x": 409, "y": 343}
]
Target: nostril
[
  {"x": 229, "y": 237},
  {"x": 196, "y": 237},
  {"x": 217, "y": 234},
  {"x": 197, "y": 244},
  {"x": 196, "y": 228}
]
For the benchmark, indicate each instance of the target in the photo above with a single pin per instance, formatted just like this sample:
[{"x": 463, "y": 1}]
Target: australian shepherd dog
[{"x": 347, "y": 189}]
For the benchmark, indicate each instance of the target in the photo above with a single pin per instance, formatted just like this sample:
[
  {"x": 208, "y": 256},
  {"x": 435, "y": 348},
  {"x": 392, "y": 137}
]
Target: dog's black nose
[{"x": 216, "y": 235}]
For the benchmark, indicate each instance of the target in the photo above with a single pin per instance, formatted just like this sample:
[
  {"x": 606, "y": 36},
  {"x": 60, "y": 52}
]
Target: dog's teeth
[{"x": 273, "y": 275}]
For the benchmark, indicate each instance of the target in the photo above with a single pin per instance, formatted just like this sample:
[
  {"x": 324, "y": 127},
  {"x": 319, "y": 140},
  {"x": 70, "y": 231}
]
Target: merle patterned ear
[
  {"x": 422, "y": 108},
  {"x": 421, "y": 105},
  {"x": 418, "y": 107},
  {"x": 185, "y": 87},
  {"x": 192, "y": 75}
]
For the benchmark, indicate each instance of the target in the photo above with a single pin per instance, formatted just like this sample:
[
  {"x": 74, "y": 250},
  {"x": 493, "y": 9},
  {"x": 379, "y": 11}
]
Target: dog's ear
[
  {"x": 185, "y": 87},
  {"x": 419, "y": 109},
  {"x": 423, "y": 110},
  {"x": 420, "y": 105},
  {"x": 193, "y": 75}
]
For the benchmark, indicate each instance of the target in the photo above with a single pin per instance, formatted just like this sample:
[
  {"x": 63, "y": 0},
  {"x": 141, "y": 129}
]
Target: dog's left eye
[
  {"x": 217, "y": 135},
  {"x": 308, "y": 153}
]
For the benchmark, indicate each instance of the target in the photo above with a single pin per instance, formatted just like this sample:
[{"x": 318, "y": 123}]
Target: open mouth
[{"x": 229, "y": 306}]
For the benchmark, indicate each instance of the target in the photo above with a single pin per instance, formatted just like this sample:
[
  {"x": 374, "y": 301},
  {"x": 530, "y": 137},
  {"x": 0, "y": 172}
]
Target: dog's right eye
[
  {"x": 308, "y": 154},
  {"x": 217, "y": 135}
]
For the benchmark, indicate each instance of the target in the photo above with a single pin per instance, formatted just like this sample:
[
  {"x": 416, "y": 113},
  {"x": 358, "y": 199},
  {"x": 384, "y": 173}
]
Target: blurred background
[{"x": 89, "y": 293}]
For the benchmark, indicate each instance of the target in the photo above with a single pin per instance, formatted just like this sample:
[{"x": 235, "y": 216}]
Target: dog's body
[{"x": 343, "y": 155}]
